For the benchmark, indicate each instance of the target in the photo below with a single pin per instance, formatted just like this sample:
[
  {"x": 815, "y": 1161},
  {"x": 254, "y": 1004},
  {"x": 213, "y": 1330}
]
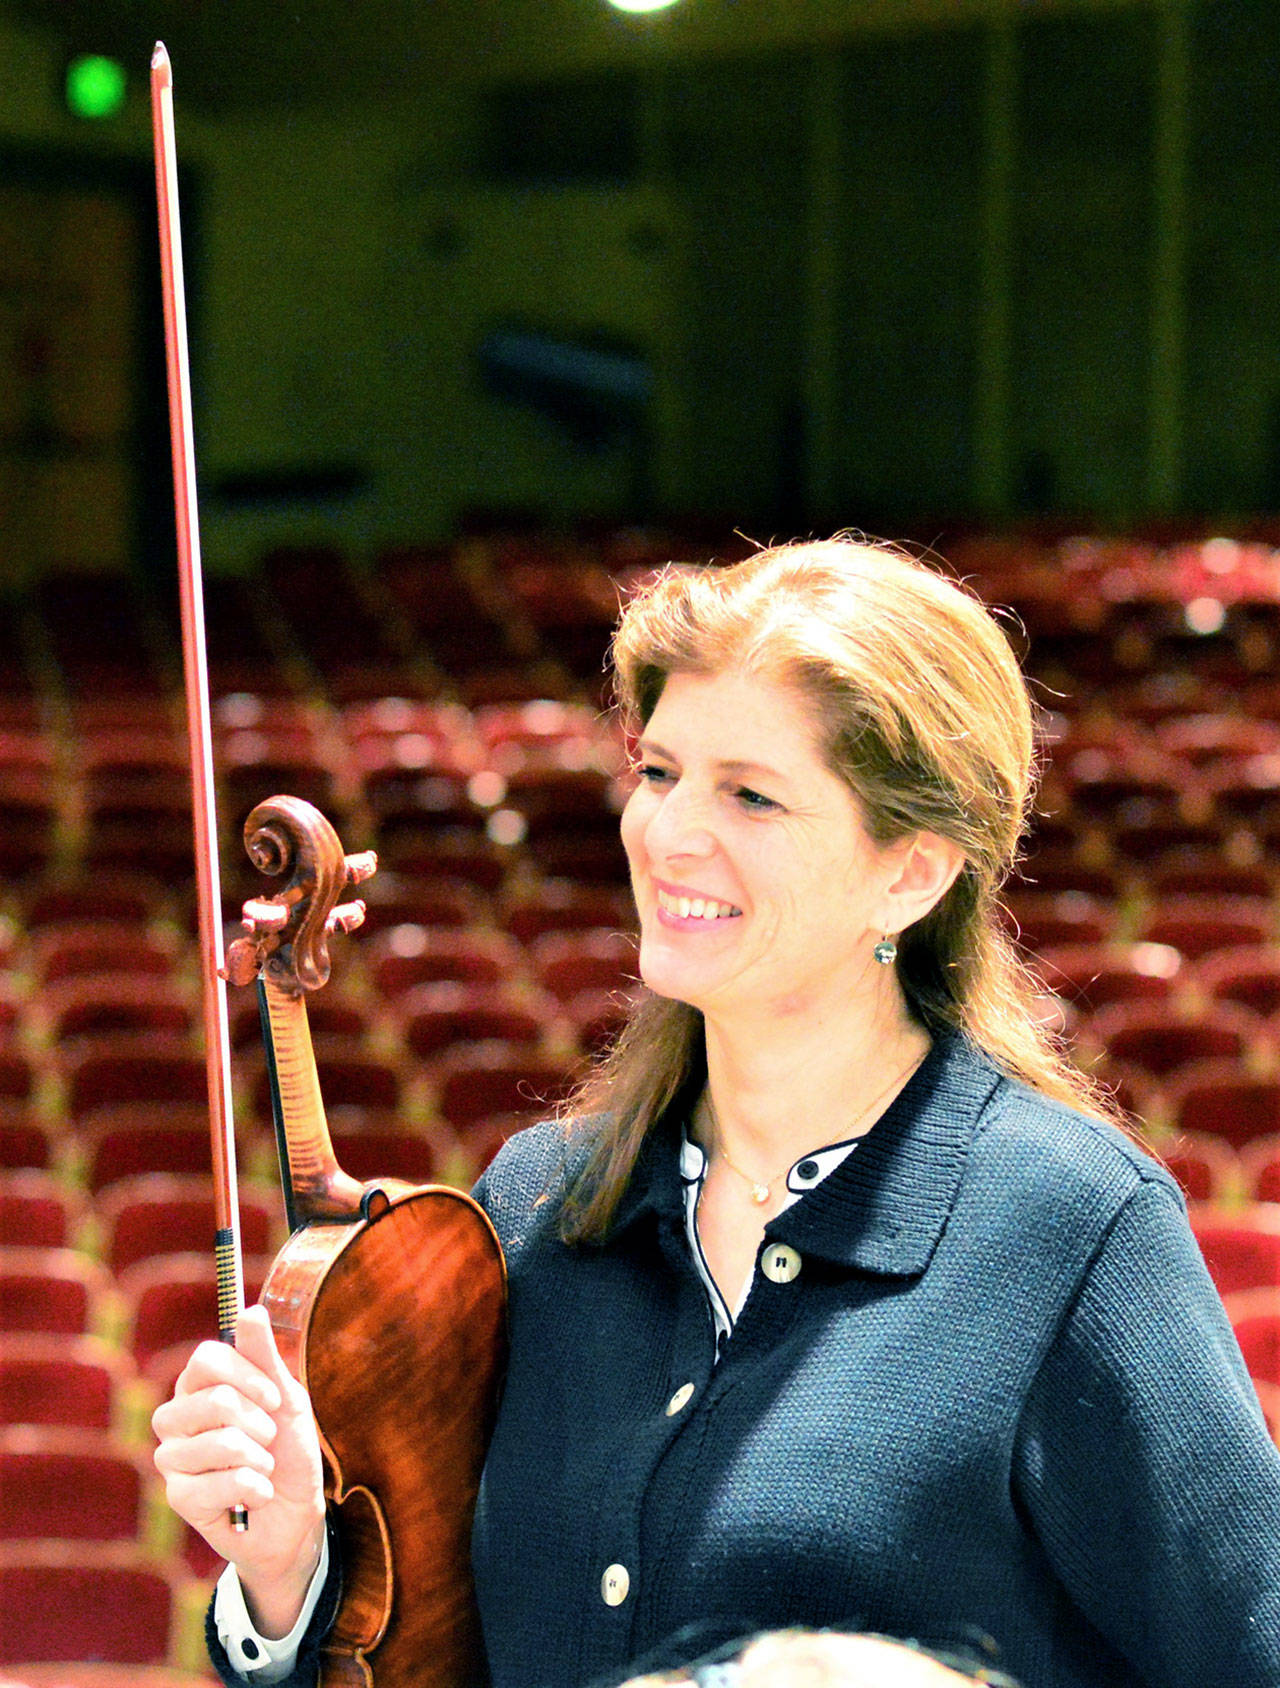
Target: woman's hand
[{"x": 239, "y": 1431}]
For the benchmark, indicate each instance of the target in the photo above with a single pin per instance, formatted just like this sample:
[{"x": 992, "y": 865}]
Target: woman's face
[{"x": 757, "y": 884}]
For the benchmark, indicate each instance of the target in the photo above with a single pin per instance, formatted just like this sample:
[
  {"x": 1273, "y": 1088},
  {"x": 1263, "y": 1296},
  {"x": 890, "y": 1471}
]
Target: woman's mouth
[{"x": 695, "y": 908}]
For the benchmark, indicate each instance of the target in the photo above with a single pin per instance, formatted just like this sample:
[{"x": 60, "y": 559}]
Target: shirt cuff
[{"x": 251, "y": 1654}]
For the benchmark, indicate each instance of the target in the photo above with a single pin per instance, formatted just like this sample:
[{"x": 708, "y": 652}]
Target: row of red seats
[{"x": 110, "y": 1598}]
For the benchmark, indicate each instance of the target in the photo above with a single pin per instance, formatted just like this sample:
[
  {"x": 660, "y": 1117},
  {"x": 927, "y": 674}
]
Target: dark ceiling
[
  {"x": 230, "y": 54},
  {"x": 236, "y": 54}
]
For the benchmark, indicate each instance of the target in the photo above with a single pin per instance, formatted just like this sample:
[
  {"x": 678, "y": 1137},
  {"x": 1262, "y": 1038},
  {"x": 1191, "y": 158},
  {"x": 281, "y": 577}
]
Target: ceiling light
[{"x": 641, "y": 5}]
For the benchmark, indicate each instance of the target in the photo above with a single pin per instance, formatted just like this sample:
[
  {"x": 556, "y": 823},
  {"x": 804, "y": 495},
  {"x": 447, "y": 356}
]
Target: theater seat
[
  {"x": 37, "y": 1210},
  {"x": 440, "y": 1016},
  {"x": 71, "y": 1483},
  {"x": 160, "y": 1213},
  {"x": 489, "y": 1079},
  {"x": 68, "y": 1601},
  {"x": 1197, "y": 926},
  {"x": 1036, "y": 919},
  {"x": 172, "y": 1300},
  {"x": 78, "y": 1380},
  {"x": 1093, "y": 976},
  {"x": 1207, "y": 1168},
  {"x": 1255, "y": 1319},
  {"x": 1218, "y": 1098},
  {"x": 1241, "y": 1248},
  {"x": 1158, "y": 1039},
  {"x": 409, "y": 955},
  {"x": 568, "y": 963},
  {"x": 52, "y": 1290},
  {"x": 1260, "y": 1168},
  {"x": 130, "y": 1138},
  {"x": 1248, "y": 974}
]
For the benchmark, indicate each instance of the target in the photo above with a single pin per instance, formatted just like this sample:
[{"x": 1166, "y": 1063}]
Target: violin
[{"x": 387, "y": 1302}]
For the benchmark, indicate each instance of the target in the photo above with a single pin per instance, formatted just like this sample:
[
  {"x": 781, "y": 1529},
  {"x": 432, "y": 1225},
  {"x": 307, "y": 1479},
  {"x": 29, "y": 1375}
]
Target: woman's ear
[{"x": 927, "y": 868}]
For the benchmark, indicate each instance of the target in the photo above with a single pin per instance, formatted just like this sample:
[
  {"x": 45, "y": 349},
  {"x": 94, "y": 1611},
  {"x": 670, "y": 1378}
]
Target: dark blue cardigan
[{"x": 1000, "y": 1400}]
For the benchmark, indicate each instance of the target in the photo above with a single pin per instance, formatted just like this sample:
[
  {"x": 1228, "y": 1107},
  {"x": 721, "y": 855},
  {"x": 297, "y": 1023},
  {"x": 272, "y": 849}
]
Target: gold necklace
[{"x": 762, "y": 1190}]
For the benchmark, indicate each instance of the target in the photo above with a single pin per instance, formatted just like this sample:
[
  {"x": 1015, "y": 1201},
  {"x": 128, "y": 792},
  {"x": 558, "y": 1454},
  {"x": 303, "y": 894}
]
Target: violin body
[
  {"x": 388, "y": 1304},
  {"x": 395, "y": 1324}
]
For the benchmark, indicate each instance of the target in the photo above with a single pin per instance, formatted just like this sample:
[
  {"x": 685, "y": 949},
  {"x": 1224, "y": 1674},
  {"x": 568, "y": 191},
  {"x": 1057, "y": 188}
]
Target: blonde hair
[{"x": 920, "y": 706}]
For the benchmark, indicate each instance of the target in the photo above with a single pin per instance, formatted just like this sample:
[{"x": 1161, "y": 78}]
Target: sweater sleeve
[{"x": 1144, "y": 1465}]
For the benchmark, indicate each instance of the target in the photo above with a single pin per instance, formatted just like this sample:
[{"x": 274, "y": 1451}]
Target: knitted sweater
[
  {"x": 998, "y": 1403},
  {"x": 999, "y": 1399}
]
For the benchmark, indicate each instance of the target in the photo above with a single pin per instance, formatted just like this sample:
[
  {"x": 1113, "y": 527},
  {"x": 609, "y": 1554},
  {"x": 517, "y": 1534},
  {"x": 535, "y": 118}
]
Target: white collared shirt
[{"x": 804, "y": 1175}]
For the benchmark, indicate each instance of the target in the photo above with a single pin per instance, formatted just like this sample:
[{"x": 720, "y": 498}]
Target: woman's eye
[
  {"x": 754, "y": 799},
  {"x": 651, "y": 774}
]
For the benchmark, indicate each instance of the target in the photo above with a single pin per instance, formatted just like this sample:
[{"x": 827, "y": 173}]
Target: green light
[{"x": 95, "y": 86}]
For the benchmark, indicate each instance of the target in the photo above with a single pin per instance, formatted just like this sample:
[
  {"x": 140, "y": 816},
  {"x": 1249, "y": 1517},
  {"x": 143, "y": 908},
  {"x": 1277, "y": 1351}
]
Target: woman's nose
[{"x": 680, "y": 826}]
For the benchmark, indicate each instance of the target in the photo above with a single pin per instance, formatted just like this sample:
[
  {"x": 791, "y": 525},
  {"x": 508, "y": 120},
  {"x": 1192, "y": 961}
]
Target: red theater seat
[
  {"x": 37, "y": 1210},
  {"x": 161, "y": 1213},
  {"x": 491, "y": 1079},
  {"x": 1218, "y": 1098},
  {"x": 373, "y": 1154},
  {"x": 408, "y": 956},
  {"x": 1241, "y": 1248},
  {"x": 131, "y": 1066},
  {"x": 558, "y": 905},
  {"x": 24, "y": 1142},
  {"x": 103, "y": 1601},
  {"x": 1249, "y": 975},
  {"x": 50, "y": 1289},
  {"x": 1038, "y": 919},
  {"x": 61, "y": 1379},
  {"x": 1093, "y": 976},
  {"x": 1260, "y": 1168},
  {"x": 129, "y": 1138},
  {"x": 437, "y": 1017},
  {"x": 70, "y": 1483},
  {"x": 1158, "y": 1039},
  {"x": 92, "y": 1006},
  {"x": 568, "y": 963},
  {"x": 1255, "y": 1319},
  {"x": 1197, "y": 926},
  {"x": 172, "y": 1300},
  {"x": 1206, "y": 1167},
  {"x": 99, "y": 946}
]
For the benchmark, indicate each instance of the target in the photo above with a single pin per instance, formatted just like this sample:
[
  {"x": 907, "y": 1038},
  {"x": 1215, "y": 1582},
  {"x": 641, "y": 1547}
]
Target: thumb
[{"x": 256, "y": 1340}]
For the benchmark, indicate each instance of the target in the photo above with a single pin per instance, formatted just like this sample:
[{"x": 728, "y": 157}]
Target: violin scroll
[{"x": 286, "y": 934}]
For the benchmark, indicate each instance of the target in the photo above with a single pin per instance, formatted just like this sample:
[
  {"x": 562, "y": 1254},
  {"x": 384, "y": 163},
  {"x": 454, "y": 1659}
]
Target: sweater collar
[{"x": 885, "y": 1208}]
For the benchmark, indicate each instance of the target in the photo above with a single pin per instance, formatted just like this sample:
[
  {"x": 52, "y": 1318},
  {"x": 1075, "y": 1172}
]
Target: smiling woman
[
  {"x": 836, "y": 1300},
  {"x": 843, "y": 706}
]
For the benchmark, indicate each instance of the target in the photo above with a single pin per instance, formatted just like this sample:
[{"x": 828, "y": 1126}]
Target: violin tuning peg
[
  {"x": 262, "y": 916},
  {"x": 242, "y": 962},
  {"x": 362, "y": 865},
  {"x": 346, "y": 917}
]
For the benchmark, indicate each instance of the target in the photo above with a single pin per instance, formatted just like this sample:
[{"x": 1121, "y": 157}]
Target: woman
[{"x": 839, "y": 1302}]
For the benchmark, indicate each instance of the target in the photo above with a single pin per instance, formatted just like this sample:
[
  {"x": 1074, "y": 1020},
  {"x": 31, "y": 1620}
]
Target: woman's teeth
[{"x": 696, "y": 908}]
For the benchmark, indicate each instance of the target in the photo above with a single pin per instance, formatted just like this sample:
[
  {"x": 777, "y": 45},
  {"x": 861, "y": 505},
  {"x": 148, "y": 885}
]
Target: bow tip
[{"x": 160, "y": 58}]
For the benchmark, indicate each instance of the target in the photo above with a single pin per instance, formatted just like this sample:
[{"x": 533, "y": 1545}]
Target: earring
[{"x": 886, "y": 951}]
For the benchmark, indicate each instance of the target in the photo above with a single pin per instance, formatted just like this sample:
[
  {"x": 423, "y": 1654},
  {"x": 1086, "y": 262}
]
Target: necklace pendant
[{"x": 760, "y": 1194}]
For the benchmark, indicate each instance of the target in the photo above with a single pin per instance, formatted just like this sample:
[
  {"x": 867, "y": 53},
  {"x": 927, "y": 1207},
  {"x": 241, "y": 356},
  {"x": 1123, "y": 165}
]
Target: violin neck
[{"x": 315, "y": 1186}]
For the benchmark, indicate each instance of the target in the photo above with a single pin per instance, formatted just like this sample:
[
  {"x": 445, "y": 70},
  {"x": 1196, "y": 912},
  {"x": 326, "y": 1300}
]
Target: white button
[
  {"x": 615, "y": 1585},
  {"x": 681, "y": 1398},
  {"x": 780, "y": 1264}
]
